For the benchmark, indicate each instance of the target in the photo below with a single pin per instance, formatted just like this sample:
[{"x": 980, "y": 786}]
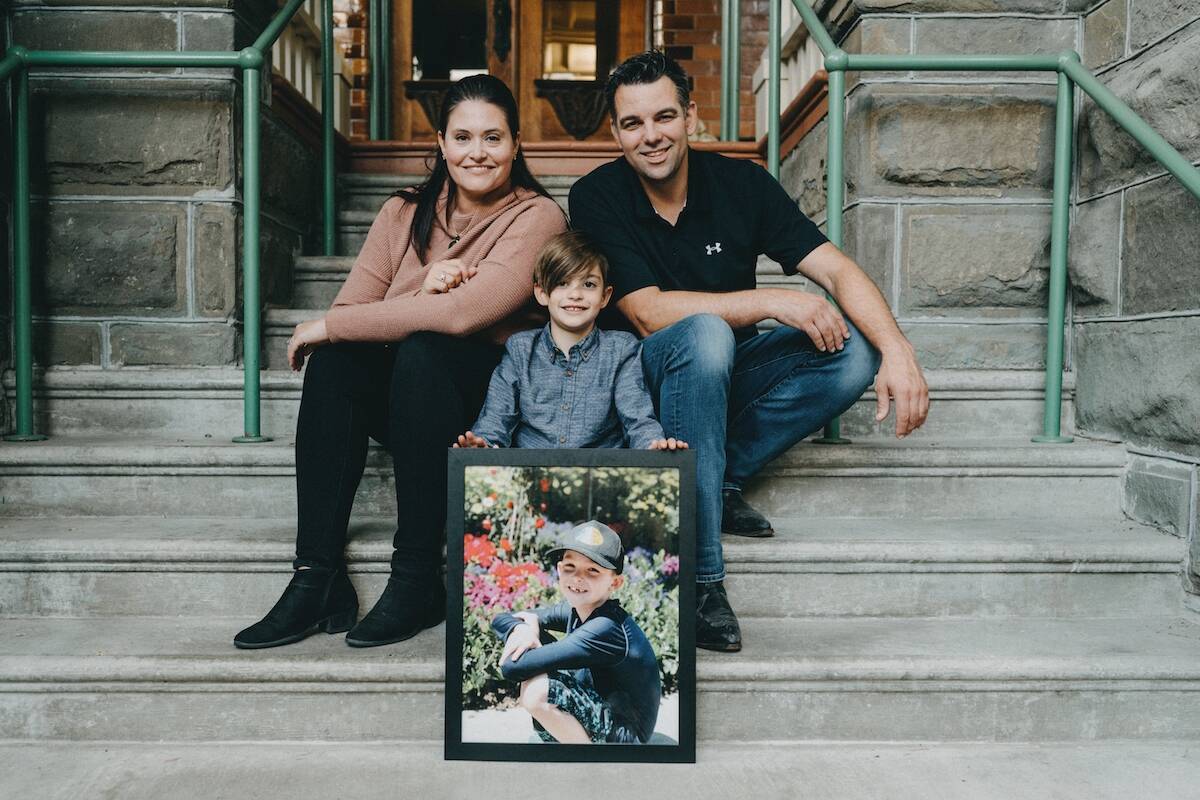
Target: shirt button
[
  {"x": 570, "y": 373},
  {"x": 566, "y": 406},
  {"x": 562, "y": 439}
]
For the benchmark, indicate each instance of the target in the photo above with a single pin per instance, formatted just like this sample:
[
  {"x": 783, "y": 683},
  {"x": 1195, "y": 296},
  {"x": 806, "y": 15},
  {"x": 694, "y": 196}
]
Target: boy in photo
[
  {"x": 570, "y": 384},
  {"x": 600, "y": 682}
]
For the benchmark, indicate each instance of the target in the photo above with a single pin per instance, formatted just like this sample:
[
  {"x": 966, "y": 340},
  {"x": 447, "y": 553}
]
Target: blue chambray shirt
[{"x": 593, "y": 396}]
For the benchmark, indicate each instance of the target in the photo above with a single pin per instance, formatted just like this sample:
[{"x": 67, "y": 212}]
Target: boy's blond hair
[{"x": 565, "y": 256}]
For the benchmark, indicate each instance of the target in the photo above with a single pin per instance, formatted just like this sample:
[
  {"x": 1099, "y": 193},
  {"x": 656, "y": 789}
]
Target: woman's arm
[{"x": 501, "y": 287}]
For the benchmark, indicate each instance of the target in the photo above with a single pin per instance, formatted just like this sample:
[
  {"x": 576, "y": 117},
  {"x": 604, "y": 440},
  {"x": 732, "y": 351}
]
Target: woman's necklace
[{"x": 456, "y": 229}]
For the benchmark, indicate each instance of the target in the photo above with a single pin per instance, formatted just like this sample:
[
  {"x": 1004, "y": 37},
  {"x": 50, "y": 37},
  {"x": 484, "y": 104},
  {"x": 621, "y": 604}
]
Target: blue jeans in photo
[{"x": 740, "y": 405}]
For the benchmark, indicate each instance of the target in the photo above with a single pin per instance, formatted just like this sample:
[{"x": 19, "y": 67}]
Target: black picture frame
[{"x": 683, "y": 747}]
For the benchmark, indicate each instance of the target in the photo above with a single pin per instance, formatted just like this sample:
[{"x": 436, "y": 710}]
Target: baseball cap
[{"x": 595, "y": 540}]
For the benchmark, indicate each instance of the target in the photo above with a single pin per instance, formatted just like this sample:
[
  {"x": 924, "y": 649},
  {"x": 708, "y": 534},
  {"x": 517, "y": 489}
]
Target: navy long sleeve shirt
[
  {"x": 608, "y": 651},
  {"x": 593, "y": 396}
]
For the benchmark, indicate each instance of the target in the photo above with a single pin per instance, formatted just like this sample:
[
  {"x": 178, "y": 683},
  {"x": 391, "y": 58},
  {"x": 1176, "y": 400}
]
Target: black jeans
[{"x": 413, "y": 397}]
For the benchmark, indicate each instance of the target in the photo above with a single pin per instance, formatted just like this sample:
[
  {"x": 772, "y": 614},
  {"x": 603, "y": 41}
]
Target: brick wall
[{"x": 690, "y": 32}]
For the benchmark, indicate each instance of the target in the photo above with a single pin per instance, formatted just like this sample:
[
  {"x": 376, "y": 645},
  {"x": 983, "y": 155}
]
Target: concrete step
[
  {"x": 767, "y": 770},
  {"x": 994, "y": 479},
  {"x": 881, "y": 679},
  {"x": 206, "y": 401},
  {"x": 135, "y": 566}
]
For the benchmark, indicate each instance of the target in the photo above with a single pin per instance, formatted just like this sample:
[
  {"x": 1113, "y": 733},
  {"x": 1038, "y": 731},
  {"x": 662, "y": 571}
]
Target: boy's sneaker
[
  {"x": 740, "y": 518},
  {"x": 716, "y": 625}
]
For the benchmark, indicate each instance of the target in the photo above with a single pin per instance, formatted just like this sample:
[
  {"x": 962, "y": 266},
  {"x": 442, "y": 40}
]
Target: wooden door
[{"x": 540, "y": 48}]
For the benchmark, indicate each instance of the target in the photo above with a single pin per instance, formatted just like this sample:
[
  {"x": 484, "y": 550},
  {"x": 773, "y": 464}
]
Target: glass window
[
  {"x": 449, "y": 35},
  {"x": 569, "y": 40}
]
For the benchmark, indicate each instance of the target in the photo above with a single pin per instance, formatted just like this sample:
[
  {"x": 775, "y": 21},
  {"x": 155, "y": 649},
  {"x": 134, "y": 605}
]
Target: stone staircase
[{"x": 961, "y": 613}]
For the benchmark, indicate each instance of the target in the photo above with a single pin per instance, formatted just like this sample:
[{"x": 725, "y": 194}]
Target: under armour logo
[{"x": 712, "y": 248}]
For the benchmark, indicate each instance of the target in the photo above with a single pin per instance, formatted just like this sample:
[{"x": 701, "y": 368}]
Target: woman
[{"x": 404, "y": 356}]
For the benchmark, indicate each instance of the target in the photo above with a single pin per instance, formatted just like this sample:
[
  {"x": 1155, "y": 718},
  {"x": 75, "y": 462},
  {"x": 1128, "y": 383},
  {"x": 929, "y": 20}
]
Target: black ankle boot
[
  {"x": 316, "y": 599},
  {"x": 742, "y": 519},
  {"x": 406, "y": 607},
  {"x": 716, "y": 625}
]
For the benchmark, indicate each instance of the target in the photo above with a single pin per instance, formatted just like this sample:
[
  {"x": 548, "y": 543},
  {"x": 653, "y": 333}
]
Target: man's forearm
[
  {"x": 652, "y": 309},
  {"x": 861, "y": 301}
]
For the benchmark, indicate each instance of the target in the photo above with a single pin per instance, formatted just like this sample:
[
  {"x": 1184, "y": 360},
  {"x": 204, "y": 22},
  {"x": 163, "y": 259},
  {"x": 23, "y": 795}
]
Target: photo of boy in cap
[
  {"x": 600, "y": 682},
  {"x": 569, "y": 384}
]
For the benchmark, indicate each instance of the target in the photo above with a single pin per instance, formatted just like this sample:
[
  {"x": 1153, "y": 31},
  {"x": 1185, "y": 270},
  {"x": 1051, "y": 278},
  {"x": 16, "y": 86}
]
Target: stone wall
[
  {"x": 136, "y": 181},
  {"x": 948, "y": 193},
  {"x": 1134, "y": 265}
]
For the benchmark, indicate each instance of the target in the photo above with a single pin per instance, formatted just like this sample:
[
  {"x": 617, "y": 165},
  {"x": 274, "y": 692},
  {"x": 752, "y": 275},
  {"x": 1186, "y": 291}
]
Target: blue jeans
[{"x": 741, "y": 405}]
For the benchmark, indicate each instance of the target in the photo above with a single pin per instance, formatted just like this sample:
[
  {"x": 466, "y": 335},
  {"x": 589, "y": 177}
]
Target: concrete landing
[{"x": 1112, "y": 771}]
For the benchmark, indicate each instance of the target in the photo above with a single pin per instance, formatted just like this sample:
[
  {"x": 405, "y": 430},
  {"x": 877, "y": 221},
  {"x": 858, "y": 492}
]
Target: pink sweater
[{"x": 382, "y": 300}]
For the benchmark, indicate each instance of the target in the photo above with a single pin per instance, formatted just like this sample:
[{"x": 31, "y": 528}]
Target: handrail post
[
  {"x": 1064, "y": 128},
  {"x": 328, "y": 160},
  {"x": 374, "y": 118},
  {"x": 731, "y": 25},
  {"x": 775, "y": 63},
  {"x": 22, "y": 269},
  {"x": 251, "y": 208},
  {"x": 835, "y": 191}
]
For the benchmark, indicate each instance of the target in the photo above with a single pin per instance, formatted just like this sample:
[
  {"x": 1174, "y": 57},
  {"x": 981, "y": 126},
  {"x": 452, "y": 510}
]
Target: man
[{"x": 682, "y": 230}]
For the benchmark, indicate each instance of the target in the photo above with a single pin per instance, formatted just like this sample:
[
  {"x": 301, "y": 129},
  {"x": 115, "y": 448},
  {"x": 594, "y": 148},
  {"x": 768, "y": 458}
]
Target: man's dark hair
[{"x": 647, "y": 67}]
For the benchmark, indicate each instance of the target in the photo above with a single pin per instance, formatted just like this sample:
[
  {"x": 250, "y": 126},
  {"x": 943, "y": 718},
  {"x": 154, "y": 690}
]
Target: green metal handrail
[
  {"x": 16, "y": 64},
  {"x": 1071, "y": 73}
]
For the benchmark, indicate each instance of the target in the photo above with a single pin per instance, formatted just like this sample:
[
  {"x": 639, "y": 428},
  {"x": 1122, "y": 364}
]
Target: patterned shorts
[{"x": 582, "y": 702}]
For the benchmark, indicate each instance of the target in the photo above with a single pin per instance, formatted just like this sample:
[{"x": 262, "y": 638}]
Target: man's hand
[
  {"x": 667, "y": 444},
  {"x": 445, "y": 275},
  {"x": 900, "y": 378},
  {"x": 307, "y": 336},
  {"x": 526, "y": 636},
  {"x": 469, "y": 439},
  {"x": 812, "y": 314}
]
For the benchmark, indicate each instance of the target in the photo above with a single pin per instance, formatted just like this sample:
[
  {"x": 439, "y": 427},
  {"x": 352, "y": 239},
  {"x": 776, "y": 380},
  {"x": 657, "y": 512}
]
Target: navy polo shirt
[{"x": 734, "y": 212}]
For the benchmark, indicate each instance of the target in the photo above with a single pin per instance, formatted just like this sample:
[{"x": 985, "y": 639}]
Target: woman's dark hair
[
  {"x": 646, "y": 67},
  {"x": 488, "y": 89}
]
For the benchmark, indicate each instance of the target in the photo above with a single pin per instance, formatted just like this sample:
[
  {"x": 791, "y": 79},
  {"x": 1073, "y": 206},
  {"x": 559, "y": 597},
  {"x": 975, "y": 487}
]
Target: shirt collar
[{"x": 585, "y": 346}]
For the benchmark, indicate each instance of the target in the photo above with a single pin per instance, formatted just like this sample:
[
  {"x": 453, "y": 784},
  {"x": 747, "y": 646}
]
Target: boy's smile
[
  {"x": 574, "y": 305},
  {"x": 585, "y": 584}
]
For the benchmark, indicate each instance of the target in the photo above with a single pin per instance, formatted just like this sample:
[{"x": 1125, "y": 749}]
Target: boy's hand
[
  {"x": 668, "y": 444},
  {"x": 469, "y": 439},
  {"x": 525, "y": 636}
]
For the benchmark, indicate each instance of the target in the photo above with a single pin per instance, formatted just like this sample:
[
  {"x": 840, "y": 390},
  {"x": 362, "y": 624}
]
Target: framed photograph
[{"x": 570, "y": 627}]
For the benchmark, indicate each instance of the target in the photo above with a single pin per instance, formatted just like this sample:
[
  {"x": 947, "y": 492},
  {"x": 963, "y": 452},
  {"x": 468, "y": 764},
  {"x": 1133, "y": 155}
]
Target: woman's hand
[
  {"x": 445, "y": 275},
  {"x": 306, "y": 337},
  {"x": 668, "y": 444}
]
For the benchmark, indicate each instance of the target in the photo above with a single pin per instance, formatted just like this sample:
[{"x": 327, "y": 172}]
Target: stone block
[
  {"x": 1163, "y": 87},
  {"x": 1136, "y": 381},
  {"x": 970, "y": 140},
  {"x": 802, "y": 173},
  {"x": 216, "y": 263},
  {"x": 105, "y": 137},
  {"x": 967, "y": 346},
  {"x": 1104, "y": 34},
  {"x": 968, "y": 6},
  {"x": 888, "y": 36},
  {"x": 1150, "y": 19},
  {"x": 290, "y": 173},
  {"x": 1159, "y": 492},
  {"x": 172, "y": 344},
  {"x": 974, "y": 259},
  {"x": 1093, "y": 257},
  {"x": 994, "y": 35},
  {"x": 45, "y": 29},
  {"x": 210, "y": 31},
  {"x": 57, "y": 344},
  {"x": 1161, "y": 270},
  {"x": 100, "y": 257},
  {"x": 279, "y": 247},
  {"x": 869, "y": 238},
  {"x": 1194, "y": 554}
]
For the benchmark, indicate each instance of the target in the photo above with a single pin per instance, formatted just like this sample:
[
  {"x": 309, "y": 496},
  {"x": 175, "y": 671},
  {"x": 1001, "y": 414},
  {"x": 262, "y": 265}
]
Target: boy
[
  {"x": 569, "y": 384},
  {"x": 600, "y": 682}
]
